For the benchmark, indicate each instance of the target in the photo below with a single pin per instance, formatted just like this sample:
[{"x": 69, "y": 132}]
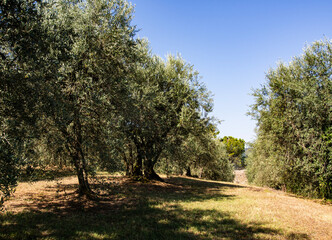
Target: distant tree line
[
  {"x": 78, "y": 88},
  {"x": 235, "y": 148},
  {"x": 294, "y": 135}
]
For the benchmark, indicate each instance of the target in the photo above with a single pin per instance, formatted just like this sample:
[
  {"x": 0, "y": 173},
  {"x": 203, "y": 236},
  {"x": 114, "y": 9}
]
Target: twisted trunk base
[{"x": 149, "y": 172}]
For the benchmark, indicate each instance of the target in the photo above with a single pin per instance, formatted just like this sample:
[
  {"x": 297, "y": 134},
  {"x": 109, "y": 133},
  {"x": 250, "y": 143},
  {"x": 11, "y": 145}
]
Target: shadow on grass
[
  {"x": 38, "y": 174},
  {"x": 134, "y": 211},
  {"x": 200, "y": 183}
]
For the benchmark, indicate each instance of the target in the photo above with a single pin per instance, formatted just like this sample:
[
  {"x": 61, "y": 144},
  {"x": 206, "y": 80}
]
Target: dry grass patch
[
  {"x": 180, "y": 208},
  {"x": 281, "y": 211}
]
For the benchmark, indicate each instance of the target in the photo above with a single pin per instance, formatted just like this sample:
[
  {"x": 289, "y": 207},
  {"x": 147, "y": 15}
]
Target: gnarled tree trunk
[
  {"x": 188, "y": 172},
  {"x": 137, "y": 166},
  {"x": 83, "y": 182},
  {"x": 79, "y": 161},
  {"x": 149, "y": 172}
]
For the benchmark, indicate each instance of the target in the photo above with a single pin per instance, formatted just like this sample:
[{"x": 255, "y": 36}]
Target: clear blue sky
[{"x": 233, "y": 43}]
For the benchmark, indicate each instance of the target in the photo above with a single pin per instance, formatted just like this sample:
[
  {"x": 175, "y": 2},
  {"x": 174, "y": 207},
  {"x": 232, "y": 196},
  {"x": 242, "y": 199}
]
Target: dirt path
[{"x": 240, "y": 177}]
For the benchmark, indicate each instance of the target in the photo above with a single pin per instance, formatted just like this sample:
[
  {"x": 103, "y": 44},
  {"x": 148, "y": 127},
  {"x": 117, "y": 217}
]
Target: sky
[{"x": 233, "y": 44}]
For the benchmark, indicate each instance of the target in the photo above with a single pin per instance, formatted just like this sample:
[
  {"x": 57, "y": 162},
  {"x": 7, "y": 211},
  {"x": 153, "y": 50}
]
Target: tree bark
[
  {"x": 137, "y": 166},
  {"x": 83, "y": 183},
  {"x": 79, "y": 160},
  {"x": 188, "y": 172},
  {"x": 149, "y": 172}
]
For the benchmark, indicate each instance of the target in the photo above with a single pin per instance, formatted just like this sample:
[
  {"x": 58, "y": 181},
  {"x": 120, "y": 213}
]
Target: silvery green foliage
[
  {"x": 166, "y": 102},
  {"x": 63, "y": 70},
  {"x": 92, "y": 44},
  {"x": 8, "y": 169},
  {"x": 21, "y": 74},
  {"x": 293, "y": 111},
  {"x": 77, "y": 86},
  {"x": 199, "y": 153}
]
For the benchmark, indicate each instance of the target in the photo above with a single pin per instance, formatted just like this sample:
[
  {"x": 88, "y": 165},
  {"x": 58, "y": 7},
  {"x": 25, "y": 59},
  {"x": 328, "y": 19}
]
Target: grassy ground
[{"x": 180, "y": 208}]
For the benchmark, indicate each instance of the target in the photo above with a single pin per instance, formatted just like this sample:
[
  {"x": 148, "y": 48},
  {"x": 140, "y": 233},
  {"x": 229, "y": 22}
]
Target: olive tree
[
  {"x": 22, "y": 71},
  {"x": 293, "y": 111},
  {"x": 164, "y": 96},
  {"x": 92, "y": 43}
]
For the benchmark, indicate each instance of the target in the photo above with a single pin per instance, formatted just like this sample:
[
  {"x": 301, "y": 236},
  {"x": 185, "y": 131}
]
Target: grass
[
  {"x": 37, "y": 174},
  {"x": 180, "y": 208}
]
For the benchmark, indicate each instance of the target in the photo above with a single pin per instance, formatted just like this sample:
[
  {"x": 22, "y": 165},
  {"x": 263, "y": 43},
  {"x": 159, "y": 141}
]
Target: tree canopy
[
  {"x": 293, "y": 111},
  {"x": 79, "y": 88},
  {"x": 235, "y": 148}
]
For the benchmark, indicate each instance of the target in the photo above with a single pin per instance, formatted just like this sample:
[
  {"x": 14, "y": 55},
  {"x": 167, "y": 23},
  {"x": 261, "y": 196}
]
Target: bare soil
[{"x": 240, "y": 177}]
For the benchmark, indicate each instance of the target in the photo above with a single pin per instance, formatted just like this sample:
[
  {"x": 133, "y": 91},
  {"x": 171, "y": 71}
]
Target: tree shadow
[
  {"x": 132, "y": 210},
  {"x": 200, "y": 183}
]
